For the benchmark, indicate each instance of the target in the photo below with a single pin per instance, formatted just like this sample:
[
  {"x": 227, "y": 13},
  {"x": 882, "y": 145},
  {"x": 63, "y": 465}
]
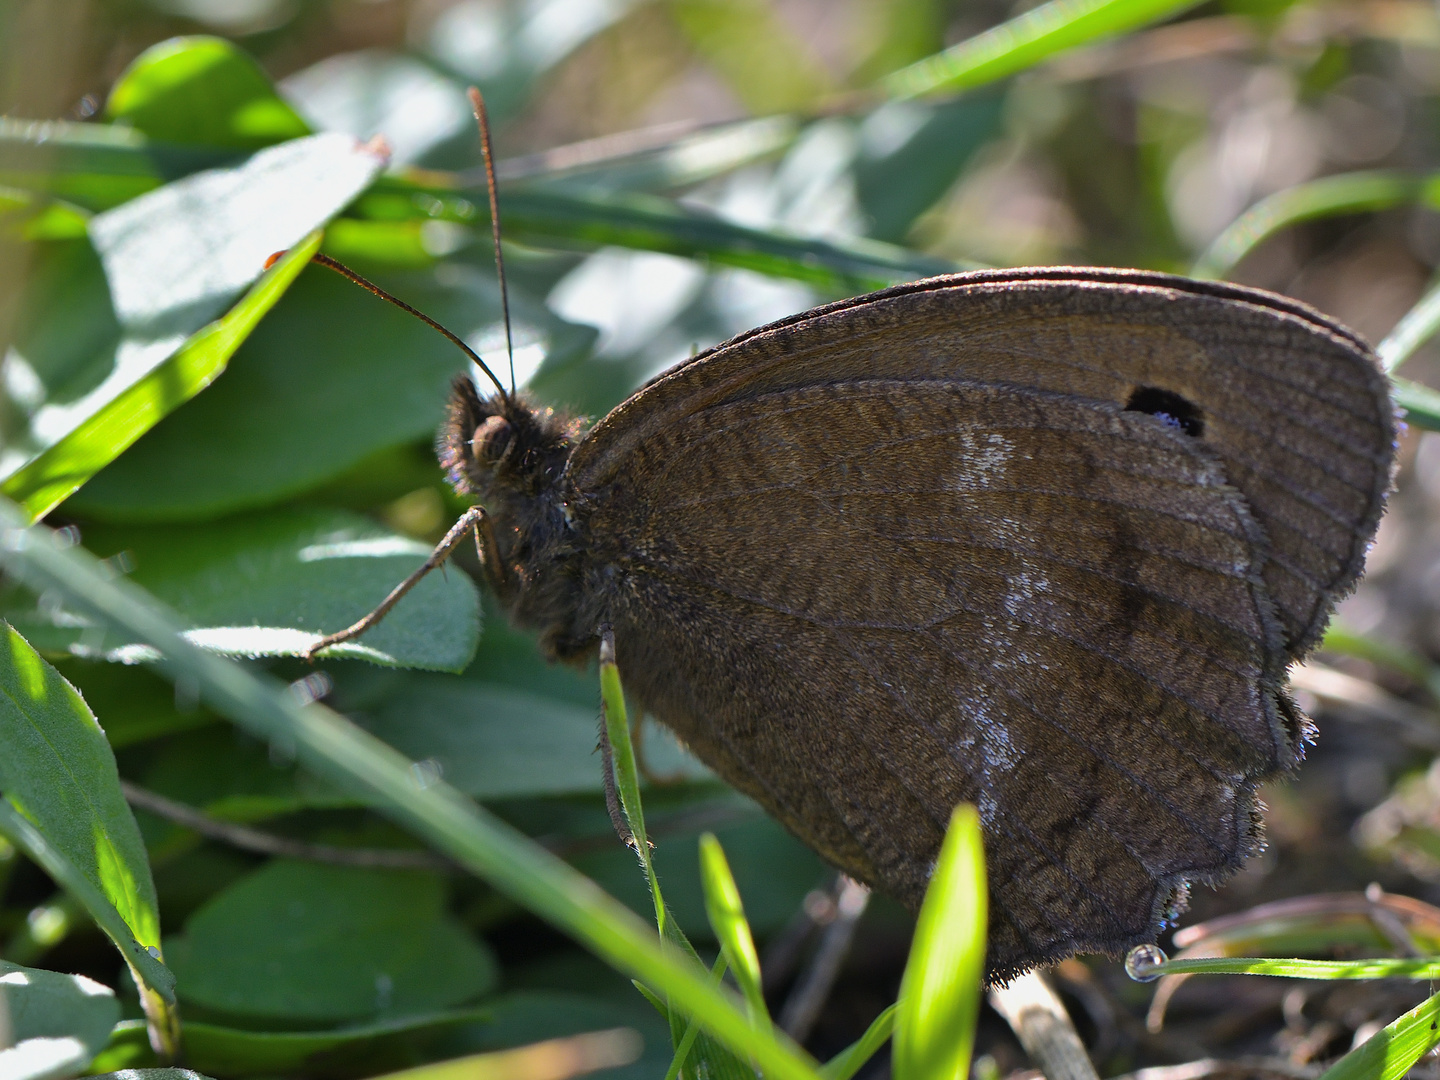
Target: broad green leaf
[
  {"x": 1391, "y": 1051},
  {"x": 272, "y": 584},
  {"x": 727, "y": 919},
  {"x": 1025, "y": 41},
  {"x": 940, "y": 990},
  {"x": 911, "y": 154},
  {"x": 334, "y": 749},
  {"x": 55, "y": 1023},
  {"x": 330, "y": 378},
  {"x": 173, "y": 260},
  {"x": 750, "y": 46},
  {"x": 60, "y": 784},
  {"x": 59, "y": 470},
  {"x": 202, "y": 90},
  {"x": 310, "y": 942},
  {"x": 231, "y": 778},
  {"x": 1330, "y": 196},
  {"x": 133, "y": 703},
  {"x": 495, "y": 743},
  {"x": 852, "y": 1059}
]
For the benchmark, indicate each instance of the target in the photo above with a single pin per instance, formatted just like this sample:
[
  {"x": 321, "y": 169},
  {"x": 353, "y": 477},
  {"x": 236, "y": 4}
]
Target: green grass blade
[
  {"x": 336, "y": 750},
  {"x": 1304, "y": 969},
  {"x": 1421, "y": 404},
  {"x": 1348, "y": 193},
  {"x": 627, "y": 778},
  {"x": 687, "y": 1040},
  {"x": 713, "y": 1061},
  {"x": 1416, "y": 327},
  {"x": 43, "y": 483},
  {"x": 1389, "y": 1053},
  {"x": 1024, "y": 42},
  {"x": 940, "y": 990},
  {"x": 727, "y": 919},
  {"x": 588, "y": 220},
  {"x": 852, "y": 1059}
]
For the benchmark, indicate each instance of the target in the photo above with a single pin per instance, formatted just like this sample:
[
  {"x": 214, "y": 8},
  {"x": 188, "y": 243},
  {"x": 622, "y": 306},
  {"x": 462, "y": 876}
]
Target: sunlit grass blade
[
  {"x": 1303, "y": 969},
  {"x": 554, "y": 1059},
  {"x": 692, "y": 1030},
  {"x": 336, "y": 750},
  {"x": 1416, "y": 327},
  {"x": 852, "y": 1059},
  {"x": 712, "y": 1060},
  {"x": 1421, "y": 404},
  {"x": 43, "y": 483},
  {"x": 627, "y": 777},
  {"x": 727, "y": 919},
  {"x": 585, "y": 221},
  {"x": 940, "y": 990},
  {"x": 1341, "y": 639},
  {"x": 1025, "y": 41},
  {"x": 1348, "y": 193},
  {"x": 1391, "y": 1051}
]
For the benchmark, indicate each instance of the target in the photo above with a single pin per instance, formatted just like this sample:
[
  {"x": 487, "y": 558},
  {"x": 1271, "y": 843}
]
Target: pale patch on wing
[{"x": 984, "y": 462}]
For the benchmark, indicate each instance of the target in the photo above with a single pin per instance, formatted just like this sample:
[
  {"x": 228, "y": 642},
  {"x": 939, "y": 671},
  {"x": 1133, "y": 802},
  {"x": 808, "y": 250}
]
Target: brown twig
[{"x": 264, "y": 843}]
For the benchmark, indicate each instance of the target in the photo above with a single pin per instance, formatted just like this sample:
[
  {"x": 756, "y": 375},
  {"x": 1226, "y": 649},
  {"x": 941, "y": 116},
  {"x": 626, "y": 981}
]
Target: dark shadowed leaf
[
  {"x": 271, "y": 584},
  {"x": 309, "y": 942},
  {"x": 494, "y": 743}
]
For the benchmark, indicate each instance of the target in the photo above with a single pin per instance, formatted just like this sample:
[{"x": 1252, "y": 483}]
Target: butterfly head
[{"x": 503, "y": 445}]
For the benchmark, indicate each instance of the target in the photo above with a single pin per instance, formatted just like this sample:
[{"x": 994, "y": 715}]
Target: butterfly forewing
[
  {"x": 1043, "y": 544},
  {"x": 895, "y": 596}
]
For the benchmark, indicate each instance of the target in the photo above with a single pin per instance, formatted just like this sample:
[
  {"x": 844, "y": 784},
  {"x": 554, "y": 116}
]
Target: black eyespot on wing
[{"x": 1169, "y": 407}]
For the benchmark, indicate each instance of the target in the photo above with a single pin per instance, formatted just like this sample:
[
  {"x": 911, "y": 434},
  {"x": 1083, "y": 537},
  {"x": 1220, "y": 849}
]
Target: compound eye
[{"x": 491, "y": 440}]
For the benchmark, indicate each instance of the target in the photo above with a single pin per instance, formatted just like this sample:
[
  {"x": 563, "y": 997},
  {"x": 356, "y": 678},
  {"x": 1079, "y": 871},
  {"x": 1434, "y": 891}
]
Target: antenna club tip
[
  {"x": 273, "y": 259},
  {"x": 379, "y": 146}
]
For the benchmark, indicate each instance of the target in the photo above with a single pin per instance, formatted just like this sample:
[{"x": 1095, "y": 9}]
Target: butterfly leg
[{"x": 473, "y": 520}]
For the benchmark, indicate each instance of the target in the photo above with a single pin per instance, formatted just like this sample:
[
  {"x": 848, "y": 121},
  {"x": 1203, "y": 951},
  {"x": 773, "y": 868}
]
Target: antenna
[
  {"x": 477, "y": 103},
  {"x": 369, "y": 286}
]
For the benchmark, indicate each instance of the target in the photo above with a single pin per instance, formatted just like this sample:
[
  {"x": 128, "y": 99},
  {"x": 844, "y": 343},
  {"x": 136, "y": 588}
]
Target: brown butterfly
[{"x": 1043, "y": 540}]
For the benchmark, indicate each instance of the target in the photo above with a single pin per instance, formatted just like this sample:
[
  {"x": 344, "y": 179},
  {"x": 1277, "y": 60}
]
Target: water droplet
[
  {"x": 1142, "y": 961},
  {"x": 153, "y": 951}
]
